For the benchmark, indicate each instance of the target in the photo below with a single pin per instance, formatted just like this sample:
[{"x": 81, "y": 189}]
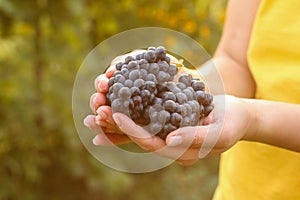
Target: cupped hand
[{"x": 228, "y": 123}]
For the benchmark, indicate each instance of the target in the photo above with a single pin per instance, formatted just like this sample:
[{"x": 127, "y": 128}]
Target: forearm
[
  {"x": 274, "y": 123},
  {"x": 228, "y": 77}
]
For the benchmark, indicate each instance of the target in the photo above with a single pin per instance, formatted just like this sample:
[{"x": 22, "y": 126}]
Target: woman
[{"x": 258, "y": 59}]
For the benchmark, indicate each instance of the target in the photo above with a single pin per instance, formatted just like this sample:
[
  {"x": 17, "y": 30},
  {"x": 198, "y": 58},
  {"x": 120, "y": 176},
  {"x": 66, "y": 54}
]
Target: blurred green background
[{"x": 42, "y": 44}]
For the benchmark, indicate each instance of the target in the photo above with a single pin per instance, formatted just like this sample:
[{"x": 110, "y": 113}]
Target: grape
[
  {"x": 181, "y": 97},
  {"x": 176, "y": 119},
  {"x": 143, "y": 73},
  {"x": 155, "y": 127},
  {"x": 163, "y": 116},
  {"x": 188, "y": 93},
  {"x": 119, "y": 78},
  {"x": 124, "y": 93},
  {"x": 111, "y": 81},
  {"x": 150, "y": 85},
  {"x": 151, "y": 77},
  {"x": 186, "y": 79},
  {"x": 150, "y": 56},
  {"x": 151, "y": 48},
  {"x": 137, "y": 100},
  {"x": 208, "y": 109},
  {"x": 117, "y": 105},
  {"x": 128, "y": 59},
  {"x": 116, "y": 87},
  {"x": 119, "y": 65},
  {"x": 200, "y": 96},
  {"x": 132, "y": 65},
  {"x": 128, "y": 83},
  {"x": 170, "y": 106},
  {"x": 135, "y": 91},
  {"x": 143, "y": 88},
  {"x": 161, "y": 77},
  {"x": 167, "y": 59},
  {"x": 125, "y": 72},
  {"x": 208, "y": 99},
  {"x": 168, "y": 96},
  {"x": 160, "y": 52},
  {"x": 153, "y": 68},
  {"x": 172, "y": 70},
  {"x": 133, "y": 75},
  {"x": 198, "y": 85},
  {"x": 139, "y": 83},
  {"x": 163, "y": 66},
  {"x": 181, "y": 86}
]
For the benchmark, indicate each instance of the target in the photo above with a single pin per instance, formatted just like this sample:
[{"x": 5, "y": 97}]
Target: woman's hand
[{"x": 229, "y": 122}]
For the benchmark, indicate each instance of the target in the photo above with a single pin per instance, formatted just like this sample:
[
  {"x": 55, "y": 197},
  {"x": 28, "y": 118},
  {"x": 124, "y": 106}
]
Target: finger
[
  {"x": 190, "y": 136},
  {"x": 110, "y": 71},
  {"x": 138, "y": 134},
  {"x": 105, "y": 114},
  {"x": 101, "y": 83},
  {"x": 110, "y": 139},
  {"x": 97, "y": 100},
  {"x": 152, "y": 143},
  {"x": 89, "y": 122}
]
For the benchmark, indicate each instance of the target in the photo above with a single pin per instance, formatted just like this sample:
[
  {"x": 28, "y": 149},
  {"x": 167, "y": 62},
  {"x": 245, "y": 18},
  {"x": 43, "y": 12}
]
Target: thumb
[
  {"x": 190, "y": 136},
  {"x": 129, "y": 127},
  {"x": 137, "y": 133}
]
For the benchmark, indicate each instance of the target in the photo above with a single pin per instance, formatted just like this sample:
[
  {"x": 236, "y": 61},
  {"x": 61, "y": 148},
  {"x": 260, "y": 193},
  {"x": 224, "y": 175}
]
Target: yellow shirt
[{"x": 257, "y": 171}]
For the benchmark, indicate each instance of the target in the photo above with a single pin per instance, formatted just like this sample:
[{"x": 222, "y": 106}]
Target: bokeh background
[{"x": 42, "y": 44}]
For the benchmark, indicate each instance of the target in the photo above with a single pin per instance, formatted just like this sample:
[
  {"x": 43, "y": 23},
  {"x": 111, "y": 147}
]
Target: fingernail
[
  {"x": 97, "y": 120},
  {"x": 117, "y": 120},
  {"x": 86, "y": 122},
  {"x": 96, "y": 140},
  {"x": 102, "y": 114},
  {"x": 175, "y": 140}
]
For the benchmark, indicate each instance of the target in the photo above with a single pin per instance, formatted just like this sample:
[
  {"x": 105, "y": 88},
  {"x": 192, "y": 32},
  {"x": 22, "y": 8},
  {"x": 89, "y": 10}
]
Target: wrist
[{"x": 254, "y": 123}]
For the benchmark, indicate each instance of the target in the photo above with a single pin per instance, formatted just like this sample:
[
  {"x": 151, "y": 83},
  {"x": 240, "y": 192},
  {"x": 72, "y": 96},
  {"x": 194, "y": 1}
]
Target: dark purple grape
[
  {"x": 163, "y": 66},
  {"x": 208, "y": 109},
  {"x": 125, "y": 72},
  {"x": 132, "y": 65},
  {"x": 168, "y": 96},
  {"x": 172, "y": 70},
  {"x": 151, "y": 49},
  {"x": 128, "y": 59},
  {"x": 135, "y": 91},
  {"x": 111, "y": 81},
  {"x": 160, "y": 52},
  {"x": 119, "y": 65},
  {"x": 157, "y": 100},
  {"x": 162, "y": 88},
  {"x": 198, "y": 85},
  {"x": 145, "y": 94},
  {"x": 119, "y": 78},
  {"x": 150, "y": 56},
  {"x": 137, "y": 100},
  {"x": 170, "y": 106},
  {"x": 167, "y": 59},
  {"x": 208, "y": 99},
  {"x": 200, "y": 96},
  {"x": 186, "y": 79},
  {"x": 116, "y": 73},
  {"x": 176, "y": 119},
  {"x": 150, "y": 85},
  {"x": 153, "y": 68}
]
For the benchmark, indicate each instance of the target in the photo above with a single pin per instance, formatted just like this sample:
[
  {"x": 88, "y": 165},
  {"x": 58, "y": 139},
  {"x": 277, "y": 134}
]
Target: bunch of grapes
[{"x": 143, "y": 88}]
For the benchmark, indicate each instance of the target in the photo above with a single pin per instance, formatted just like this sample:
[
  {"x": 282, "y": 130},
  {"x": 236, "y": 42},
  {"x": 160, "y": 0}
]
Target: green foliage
[{"x": 42, "y": 44}]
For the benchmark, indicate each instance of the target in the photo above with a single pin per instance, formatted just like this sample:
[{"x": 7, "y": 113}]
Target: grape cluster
[{"x": 143, "y": 88}]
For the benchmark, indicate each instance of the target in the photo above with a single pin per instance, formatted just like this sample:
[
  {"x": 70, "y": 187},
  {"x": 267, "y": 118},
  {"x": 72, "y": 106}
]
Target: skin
[{"x": 243, "y": 118}]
